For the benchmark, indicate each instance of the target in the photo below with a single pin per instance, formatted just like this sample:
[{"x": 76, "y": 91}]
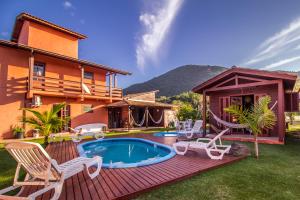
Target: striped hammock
[{"x": 232, "y": 125}]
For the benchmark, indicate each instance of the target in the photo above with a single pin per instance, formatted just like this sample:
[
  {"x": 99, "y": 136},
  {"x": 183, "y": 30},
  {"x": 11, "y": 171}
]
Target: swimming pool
[
  {"x": 126, "y": 152},
  {"x": 166, "y": 134}
]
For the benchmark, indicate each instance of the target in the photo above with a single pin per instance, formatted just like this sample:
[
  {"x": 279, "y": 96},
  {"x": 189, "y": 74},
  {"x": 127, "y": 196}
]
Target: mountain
[{"x": 178, "y": 80}]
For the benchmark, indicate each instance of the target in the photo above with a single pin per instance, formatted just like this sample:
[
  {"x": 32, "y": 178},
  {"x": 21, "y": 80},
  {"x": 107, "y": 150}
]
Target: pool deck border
[
  {"x": 128, "y": 183},
  {"x": 172, "y": 153}
]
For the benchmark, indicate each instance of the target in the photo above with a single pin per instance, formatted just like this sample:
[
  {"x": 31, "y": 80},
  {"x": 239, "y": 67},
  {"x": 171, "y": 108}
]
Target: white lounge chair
[
  {"x": 196, "y": 129},
  {"x": 95, "y": 130},
  {"x": 214, "y": 151},
  {"x": 43, "y": 171}
]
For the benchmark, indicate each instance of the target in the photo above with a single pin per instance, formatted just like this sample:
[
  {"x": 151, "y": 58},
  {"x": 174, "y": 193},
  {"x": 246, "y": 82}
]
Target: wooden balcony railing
[{"x": 60, "y": 87}]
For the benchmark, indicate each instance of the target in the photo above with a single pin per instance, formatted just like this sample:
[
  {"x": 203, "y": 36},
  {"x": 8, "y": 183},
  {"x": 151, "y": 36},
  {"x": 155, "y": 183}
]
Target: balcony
[{"x": 48, "y": 86}]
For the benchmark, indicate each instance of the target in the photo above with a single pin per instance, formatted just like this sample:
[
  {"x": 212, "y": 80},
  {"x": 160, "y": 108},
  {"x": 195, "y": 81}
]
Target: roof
[
  {"x": 288, "y": 77},
  {"x": 139, "y": 93},
  {"x": 59, "y": 56},
  {"x": 25, "y": 16},
  {"x": 140, "y": 103}
]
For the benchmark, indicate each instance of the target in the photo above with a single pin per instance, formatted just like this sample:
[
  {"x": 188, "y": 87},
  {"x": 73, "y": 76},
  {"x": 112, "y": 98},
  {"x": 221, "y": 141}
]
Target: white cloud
[
  {"x": 156, "y": 25},
  {"x": 282, "y": 62},
  {"x": 67, "y": 4},
  {"x": 279, "y": 49}
]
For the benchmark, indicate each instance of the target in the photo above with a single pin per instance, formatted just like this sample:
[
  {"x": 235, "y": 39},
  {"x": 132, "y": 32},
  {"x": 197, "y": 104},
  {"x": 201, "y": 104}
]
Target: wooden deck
[{"x": 127, "y": 183}]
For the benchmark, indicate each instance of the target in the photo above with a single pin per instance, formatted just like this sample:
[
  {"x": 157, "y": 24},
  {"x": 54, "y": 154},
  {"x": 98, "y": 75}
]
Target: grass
[{"x": 275, "y": 175}]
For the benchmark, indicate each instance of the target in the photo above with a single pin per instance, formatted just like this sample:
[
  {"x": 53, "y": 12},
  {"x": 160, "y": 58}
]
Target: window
[
  {"x": 89, "y": 75},
  {"x": 87, "y": 108},
  {"x": 39, "y": 69}
]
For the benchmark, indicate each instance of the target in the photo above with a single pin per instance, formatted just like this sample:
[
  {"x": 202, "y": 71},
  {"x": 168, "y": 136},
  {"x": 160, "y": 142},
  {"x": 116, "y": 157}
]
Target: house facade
[
  {"x": 243, "y": 87},
  {"x": 40, "y": 68}
]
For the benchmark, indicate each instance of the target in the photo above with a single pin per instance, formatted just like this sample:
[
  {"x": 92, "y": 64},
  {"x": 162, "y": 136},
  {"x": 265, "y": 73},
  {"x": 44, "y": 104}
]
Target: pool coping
[{"x": 137, "y": 164}]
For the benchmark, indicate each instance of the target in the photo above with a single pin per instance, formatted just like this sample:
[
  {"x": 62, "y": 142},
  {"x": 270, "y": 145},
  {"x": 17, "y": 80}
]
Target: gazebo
[
  {"x": 139, "y": 110},
  {"x": 243, "y": 87}
]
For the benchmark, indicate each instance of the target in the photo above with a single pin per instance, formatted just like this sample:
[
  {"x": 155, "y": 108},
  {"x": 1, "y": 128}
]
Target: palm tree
[
  {"x": 257, "y": 118},
  {"x": 46, "y": 122}
]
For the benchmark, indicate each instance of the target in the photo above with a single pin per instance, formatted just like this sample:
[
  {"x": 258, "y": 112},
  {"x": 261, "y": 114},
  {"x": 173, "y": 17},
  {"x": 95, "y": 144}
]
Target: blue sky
[{"x": 150, "y": 37}]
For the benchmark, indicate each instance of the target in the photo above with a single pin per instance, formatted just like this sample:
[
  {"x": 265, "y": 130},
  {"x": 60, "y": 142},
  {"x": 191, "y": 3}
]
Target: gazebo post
[
  {"x": 204, "y": 112},
  {"x": 146, "y": 113},
  {"x": 129, "y": 121}
]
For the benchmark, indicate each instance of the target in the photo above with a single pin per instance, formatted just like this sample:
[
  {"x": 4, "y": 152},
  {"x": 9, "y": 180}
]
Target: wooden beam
[
  {"x": 147, "y": 116},
  {"x": 115, "y": 81},
  {"x": 110, "y": 87},
  {"x": 280, "y": 111},
  {"x": 82, "y": 81},
  {"x": 243, "y": 85},
  {"x": 204, "y": 113},
  {"x": 30, "y": 75}
]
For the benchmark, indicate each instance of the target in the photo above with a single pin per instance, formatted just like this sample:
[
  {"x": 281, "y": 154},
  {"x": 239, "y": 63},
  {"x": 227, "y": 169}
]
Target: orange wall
[
  {"x": 13, "y": 72},
  {"x": 78, "y": 117},
  {"x": 13, "y": 76},
  {"x": 65, "y": 70},
  {"x": 49, "y": 39}
]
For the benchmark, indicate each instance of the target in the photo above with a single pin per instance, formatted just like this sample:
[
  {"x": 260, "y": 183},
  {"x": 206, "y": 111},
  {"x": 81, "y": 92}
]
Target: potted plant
[
  {"x": 46, "y": 122},
  {"x": 18, "y": 132}
]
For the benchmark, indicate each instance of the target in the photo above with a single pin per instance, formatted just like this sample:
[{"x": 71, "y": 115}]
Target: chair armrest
[{"x": 203, "y": 139}]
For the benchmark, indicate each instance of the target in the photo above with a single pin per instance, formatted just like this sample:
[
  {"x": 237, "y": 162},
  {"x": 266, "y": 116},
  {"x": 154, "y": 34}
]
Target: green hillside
[{"x": 178, "y": 80}]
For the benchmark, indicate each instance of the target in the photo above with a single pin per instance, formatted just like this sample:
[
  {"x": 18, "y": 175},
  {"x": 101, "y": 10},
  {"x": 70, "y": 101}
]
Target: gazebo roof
[
  {"x": 140, "y": 103},
  {"x": 288, "y": 78}
]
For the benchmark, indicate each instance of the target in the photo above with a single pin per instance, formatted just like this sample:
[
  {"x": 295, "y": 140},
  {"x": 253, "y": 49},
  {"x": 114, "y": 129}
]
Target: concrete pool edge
[{"x": 172, "y": 153}]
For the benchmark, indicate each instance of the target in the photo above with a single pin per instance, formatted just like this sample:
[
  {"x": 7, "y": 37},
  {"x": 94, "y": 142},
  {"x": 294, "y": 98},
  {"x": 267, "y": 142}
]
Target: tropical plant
[
  {"x": 18, "y": 131},
  {"x": 46, "y": 122},
  {"x": 257, "y": 118},
  {"x": 186, "y": 111}
]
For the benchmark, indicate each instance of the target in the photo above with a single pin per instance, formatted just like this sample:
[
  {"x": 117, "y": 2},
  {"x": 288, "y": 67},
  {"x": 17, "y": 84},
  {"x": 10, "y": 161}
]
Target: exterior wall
[
  {"x": 272, "y": 91},
  {"x": 78, "y": 117},
  {"x": 69, "y": 71},
  {"x": 24, "y": 34},
  {"x": 49, "y": 39},
  {"x": 13, "y": 84},
  {"x": 13, "y": 88}
]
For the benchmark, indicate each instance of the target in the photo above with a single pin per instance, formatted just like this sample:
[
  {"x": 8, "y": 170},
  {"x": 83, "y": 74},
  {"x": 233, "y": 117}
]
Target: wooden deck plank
[{"x": 127, "y": 183}]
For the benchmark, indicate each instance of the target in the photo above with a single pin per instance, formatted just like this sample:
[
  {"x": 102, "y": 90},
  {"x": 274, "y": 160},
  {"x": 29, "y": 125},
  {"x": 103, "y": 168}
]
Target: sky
[{"x": 151, "y": 37}]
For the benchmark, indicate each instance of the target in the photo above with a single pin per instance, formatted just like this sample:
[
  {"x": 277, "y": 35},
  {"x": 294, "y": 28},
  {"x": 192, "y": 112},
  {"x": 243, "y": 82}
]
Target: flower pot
[{"x": 19, "y": 135}]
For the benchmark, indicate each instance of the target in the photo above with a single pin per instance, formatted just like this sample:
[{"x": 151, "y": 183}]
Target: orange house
[{"x": 40, "y": 67}]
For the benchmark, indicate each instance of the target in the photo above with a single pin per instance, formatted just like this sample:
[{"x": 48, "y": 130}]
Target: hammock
[
  {"x": 156, "y": 122},
  {"x": 142, "y": 121},
  {"x": 233, "y": 125}
]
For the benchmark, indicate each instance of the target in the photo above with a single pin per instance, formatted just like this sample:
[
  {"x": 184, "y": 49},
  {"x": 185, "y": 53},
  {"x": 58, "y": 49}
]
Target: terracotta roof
[
  {"x": 287, "y": 76},
  {"x": 59, "y": 56},
  {"x": 140, "y": 103},
  {"x": 25, "y": 16}
]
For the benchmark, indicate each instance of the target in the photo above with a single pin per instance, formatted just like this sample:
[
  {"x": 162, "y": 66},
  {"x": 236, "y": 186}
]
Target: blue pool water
[
  {"x": 166, "y": 134},
  {"x": 126, "y": 152}
]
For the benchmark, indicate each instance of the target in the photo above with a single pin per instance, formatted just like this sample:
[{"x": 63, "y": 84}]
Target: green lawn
[{"x": 276, "y": 175}]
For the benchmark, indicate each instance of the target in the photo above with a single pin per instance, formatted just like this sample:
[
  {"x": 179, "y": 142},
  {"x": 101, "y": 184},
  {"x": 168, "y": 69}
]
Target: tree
[
  {"x": 189, "y": 104},
  {"x": 257, "y": 118},
  {"x": 46, "y": 122},
  {"x": 186, "y": 111}
]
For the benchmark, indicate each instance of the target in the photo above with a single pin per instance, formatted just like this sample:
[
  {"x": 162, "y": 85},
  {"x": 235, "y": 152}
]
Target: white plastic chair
[
  {"x": 214, "y": 151},
  {"x": 43, "y": 171},
  {"x": 196, "y": 129}
]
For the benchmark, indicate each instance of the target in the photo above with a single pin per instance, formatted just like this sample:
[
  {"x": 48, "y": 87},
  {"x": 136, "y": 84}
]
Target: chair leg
[
  {"x": 98, "y": 162},
  {"x": 180, "y": 152}
]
